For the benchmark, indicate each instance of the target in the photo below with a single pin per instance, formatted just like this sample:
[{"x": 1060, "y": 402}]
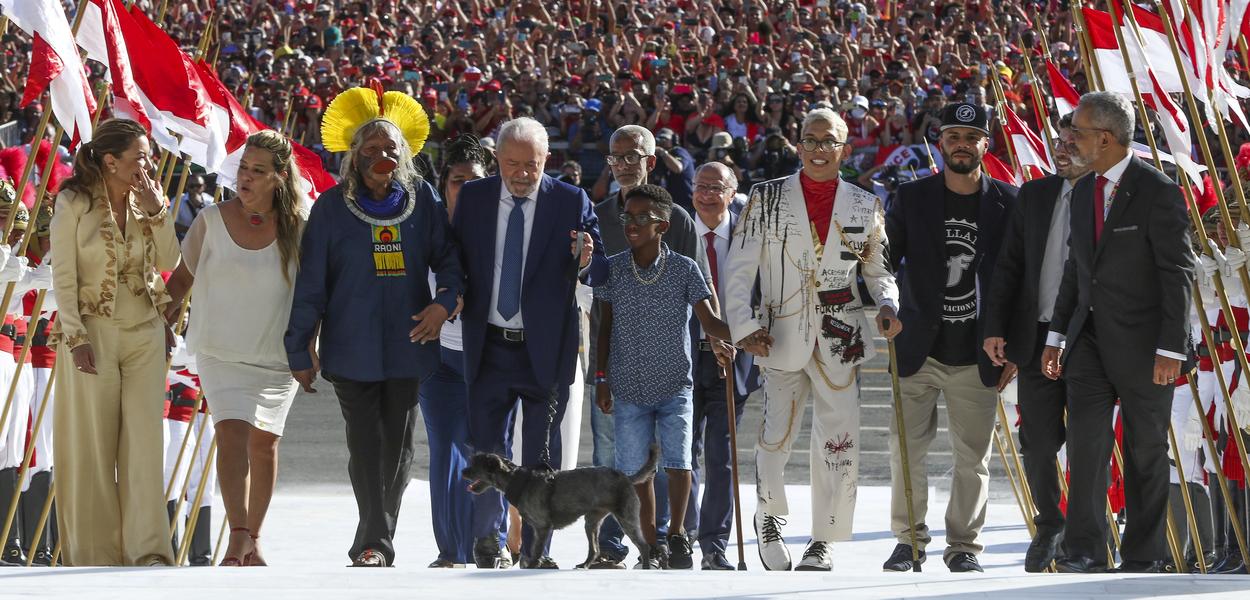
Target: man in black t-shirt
[{"x": 944, "y": 232}]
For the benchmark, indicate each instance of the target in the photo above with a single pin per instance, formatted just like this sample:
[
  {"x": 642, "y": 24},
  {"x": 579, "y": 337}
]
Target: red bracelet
[{"x": 600, "y": 374}]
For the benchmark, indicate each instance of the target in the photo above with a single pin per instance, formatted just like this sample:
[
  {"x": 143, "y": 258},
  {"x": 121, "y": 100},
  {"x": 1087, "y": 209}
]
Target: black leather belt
[
  {"x": 41, "y": 333},
  {"x": 514, "y": 336},
  {"x": 9, "y": 331}
]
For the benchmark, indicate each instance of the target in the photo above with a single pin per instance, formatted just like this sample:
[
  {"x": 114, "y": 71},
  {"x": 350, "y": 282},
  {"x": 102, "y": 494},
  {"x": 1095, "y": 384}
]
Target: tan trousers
[
  {"x": 834, "y": 464},
  {"x": 970, "y": 406},
  {"x": 108, "y": 445}
]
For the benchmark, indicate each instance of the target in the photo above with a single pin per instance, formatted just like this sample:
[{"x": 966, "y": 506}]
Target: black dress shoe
[
  {"x": 542, "y": 562},
  {"x": 716, "y": 561},
  {"x": 1142, "y": 566},
  {"x": 487, "y": 555},
  {"x": 963, "y": 562},
  {"x": 1080, "y": 564},
  {"x": 1042, "y": 551},
  {"x": 12, "y": 556},
  {"x": 900, "y": 559}
]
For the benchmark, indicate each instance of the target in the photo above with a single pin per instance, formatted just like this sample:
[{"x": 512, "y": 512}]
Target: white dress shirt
[
  {"x": 501, "y": 233},
  {"x": 1113, "y": 177},
  {"x": 1055, "y": 255},
  {"x": 720, "y": 244}
]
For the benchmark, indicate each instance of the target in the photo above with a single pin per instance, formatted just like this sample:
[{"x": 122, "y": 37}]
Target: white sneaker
[
  {"x": 773, "y": 551},
  {"x": 817, "y": 557}
]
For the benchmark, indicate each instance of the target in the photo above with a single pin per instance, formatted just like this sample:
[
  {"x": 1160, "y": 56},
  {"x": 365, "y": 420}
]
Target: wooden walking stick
[
  {"x": 902, "y": 450},
  {"x": 731, "y": 407}
]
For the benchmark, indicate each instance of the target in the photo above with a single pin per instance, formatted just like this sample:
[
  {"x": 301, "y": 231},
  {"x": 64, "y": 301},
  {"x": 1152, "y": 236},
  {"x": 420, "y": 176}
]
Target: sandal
[
  {"x": 252, "y": 559},
  {"x": 234, "y": 561}
]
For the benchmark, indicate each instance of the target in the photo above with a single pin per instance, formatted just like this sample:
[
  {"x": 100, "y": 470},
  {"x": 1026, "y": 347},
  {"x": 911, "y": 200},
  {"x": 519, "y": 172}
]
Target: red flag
[
  {"x": 240, "y": 125},
  {"x": 310, "y": 166},
  {"x": 125, "y": 88},
  {"x": 998, "y": 170},
  {"x": 1030, "y": 150},
  {"x": 1065, "y": 94},
  {"x": 45, "y": 66},
  {"x": 162, "y": 73}
]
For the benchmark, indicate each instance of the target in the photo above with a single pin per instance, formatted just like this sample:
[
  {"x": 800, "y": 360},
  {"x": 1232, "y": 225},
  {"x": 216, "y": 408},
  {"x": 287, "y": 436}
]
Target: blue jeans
[
  {"x": 638, "y": 426},
  {"x": 444, "y": 407}
]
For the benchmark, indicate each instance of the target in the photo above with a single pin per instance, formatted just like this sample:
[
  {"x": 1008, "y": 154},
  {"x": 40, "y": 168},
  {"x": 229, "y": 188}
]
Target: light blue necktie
[{"x": 513, "y": 253}]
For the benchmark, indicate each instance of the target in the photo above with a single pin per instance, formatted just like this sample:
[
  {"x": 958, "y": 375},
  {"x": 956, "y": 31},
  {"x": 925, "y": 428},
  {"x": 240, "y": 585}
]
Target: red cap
[{"x": 313, "y": 102}]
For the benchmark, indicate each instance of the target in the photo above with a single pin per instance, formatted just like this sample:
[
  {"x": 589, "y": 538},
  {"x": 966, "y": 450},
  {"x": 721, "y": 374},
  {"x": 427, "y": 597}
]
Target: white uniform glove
[
  {"x": 13, "y": 269},
  {"x": 585, "y": 296},
  {"x": 1241, "y": 404},
  {"x": 1234, "y": 259},
  {"x": 1191, "y": 436},
  {"x": 1206, "y": 274},
  {"x": 1243, "y": 235}
]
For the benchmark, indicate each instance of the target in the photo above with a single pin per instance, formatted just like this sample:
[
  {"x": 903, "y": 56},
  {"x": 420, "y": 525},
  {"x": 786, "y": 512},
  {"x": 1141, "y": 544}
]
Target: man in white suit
[{"x": 808, "y": 237}]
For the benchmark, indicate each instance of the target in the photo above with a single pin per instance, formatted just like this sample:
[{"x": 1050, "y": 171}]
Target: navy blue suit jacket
[
  {"x": 916, "y": 228},
  {"x": 560, "y": 208},
  {"x": 746, "y": 375},
  {"x": 365, "y": 319}
]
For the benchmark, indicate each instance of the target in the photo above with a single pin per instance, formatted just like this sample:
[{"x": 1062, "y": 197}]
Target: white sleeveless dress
[{"x": 239, "y": 311}]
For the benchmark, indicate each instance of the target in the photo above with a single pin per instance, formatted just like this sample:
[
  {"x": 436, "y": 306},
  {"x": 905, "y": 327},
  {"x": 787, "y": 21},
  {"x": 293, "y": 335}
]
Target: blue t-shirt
[{"x": 649, "y": 359}]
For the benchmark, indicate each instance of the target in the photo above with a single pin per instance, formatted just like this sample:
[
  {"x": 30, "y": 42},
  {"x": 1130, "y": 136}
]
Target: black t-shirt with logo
[{"x": 957, "y": 343}]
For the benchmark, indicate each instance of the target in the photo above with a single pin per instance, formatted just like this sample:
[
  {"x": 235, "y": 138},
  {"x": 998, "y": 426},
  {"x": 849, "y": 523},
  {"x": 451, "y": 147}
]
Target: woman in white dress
[{"x": 239, "y": 260}]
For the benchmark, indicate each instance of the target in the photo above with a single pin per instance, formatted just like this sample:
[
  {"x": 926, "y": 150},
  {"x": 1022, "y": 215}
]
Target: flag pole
[
  {"x": 1210, "y": 437},
  {"x": 1043, "y": 112},
  {"x": 1087, "y": 44},
  {"x": 1187, "y": 501},
  {"x": 11, "y": 514},
  {"x": 1196, "y": 117},
  {"x": 1001, "y": 100}
]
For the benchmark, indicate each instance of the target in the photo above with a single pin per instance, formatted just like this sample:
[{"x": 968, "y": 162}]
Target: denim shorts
[{"x": 637, "y": 427}]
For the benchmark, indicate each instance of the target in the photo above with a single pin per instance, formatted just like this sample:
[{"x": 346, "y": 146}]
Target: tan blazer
[
  {"x": 807, "y": 298},
  {"x": 86, "y": 245}
]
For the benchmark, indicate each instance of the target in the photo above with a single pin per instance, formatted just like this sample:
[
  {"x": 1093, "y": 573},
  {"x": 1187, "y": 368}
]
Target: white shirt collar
[
  {"x": 1116, "y": 172},
  {"x": 721, "y": 231}
]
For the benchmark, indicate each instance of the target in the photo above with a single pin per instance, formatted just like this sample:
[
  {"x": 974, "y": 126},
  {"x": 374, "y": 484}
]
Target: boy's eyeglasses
[{"x": 640, "y": 220}]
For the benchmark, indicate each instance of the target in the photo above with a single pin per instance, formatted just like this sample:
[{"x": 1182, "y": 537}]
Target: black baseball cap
[{"x": 963, "y": 114}]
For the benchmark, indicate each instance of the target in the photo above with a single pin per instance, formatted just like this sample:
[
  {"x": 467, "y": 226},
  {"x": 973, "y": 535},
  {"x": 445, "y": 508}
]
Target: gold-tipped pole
[{"x": 1195, "y": 533}]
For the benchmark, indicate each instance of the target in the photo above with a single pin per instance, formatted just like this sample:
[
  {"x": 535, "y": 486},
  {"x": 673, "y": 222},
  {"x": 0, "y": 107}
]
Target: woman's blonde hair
[
  {"x": 114, "y": 136},
  {"x": 288, "y": 209}
]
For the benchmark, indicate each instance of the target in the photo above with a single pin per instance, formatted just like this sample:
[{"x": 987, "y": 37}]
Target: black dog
[{"x": 554, "y": 500}]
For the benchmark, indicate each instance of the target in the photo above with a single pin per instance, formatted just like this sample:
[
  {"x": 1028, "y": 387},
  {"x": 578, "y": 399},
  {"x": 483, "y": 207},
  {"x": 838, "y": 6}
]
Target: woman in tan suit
[{"x": 112, "y": 236}]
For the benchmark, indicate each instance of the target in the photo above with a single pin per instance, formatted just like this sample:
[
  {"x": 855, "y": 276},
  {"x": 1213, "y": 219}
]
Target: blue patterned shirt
[{"x": 650, "y": 356}]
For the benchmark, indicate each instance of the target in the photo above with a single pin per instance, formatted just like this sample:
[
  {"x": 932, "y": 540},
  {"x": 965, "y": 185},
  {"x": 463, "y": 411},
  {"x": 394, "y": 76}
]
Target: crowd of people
[{"x": 702, "y": 167}]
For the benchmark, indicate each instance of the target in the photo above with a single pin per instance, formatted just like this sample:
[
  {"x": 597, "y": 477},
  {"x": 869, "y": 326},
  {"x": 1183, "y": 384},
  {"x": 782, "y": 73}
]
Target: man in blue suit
[
  {"x": 519, "y": 232},
  {"x": 716, "y": 216}
]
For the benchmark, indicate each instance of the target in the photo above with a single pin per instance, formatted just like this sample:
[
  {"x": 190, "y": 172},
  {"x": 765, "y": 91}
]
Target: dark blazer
[
  {"x": 1011, "y": 309},
  {"x": 746, "y": 375},
  {"x": 916, "y": 228},
  {"x": 1138, "y": 279},
  {"x": 365, "y": 319},
  {"x": 560, "y": 208}
]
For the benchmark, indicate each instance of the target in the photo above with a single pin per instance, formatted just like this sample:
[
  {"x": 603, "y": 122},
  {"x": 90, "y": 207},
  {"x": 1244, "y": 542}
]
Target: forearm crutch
[{"x": 902, "y": 451}]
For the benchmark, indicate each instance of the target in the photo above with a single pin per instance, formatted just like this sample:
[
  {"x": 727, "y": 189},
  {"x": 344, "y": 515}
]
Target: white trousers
[
  {"x": 835, "y": 441},
  {"x": 174, "y": 432},
  {"x": 13, "y": 436},
  {"x": 43, "y": 437}
]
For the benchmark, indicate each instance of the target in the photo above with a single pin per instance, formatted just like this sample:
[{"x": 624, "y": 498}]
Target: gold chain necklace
[{"x": 634, "y": 264}]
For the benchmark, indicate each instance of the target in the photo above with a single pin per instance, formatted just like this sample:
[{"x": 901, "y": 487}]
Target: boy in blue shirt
[{"x": 643, "y": 358}]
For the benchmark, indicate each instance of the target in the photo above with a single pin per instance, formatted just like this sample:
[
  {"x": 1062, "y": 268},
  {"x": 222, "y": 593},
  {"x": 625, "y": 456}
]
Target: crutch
[
  {"x": 730, "y": 401},
  {"x": 902, "y": 450}
]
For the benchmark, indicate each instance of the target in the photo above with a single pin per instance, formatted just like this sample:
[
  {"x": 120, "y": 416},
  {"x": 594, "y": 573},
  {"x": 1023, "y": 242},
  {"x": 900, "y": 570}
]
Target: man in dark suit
[
  {"x": 1018, "y": 310},
  {"x": 1122, "y": 309},
  {"x": 518, "y": 233},
  {"x": 944, "y": 233},
  {"x": 716, "y": 217}
]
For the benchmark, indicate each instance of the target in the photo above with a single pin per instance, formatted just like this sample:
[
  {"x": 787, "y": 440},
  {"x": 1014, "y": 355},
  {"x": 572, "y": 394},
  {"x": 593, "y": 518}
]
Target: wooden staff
[
  {"x": 731, "y": 406},
  {"x": 1015, "y": 456},
  {"x": 1001, "y": 102},
  {"x": 1087, "y": 46},
  {"x": 186, "y": 483},
  {"x": 1043, "y": 111},
  {"x": 1025, "y": 513},
  {"x": 902, "y": 450}
]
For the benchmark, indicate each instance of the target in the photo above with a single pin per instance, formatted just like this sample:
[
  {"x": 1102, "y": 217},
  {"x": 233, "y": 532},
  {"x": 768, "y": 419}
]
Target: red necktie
[
  {"x": 1100, "y": 203},
  {"x": 711, "y": 257}
]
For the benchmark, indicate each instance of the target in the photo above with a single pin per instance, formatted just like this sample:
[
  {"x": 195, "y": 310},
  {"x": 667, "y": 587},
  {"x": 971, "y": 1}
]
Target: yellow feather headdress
[{"x": 358, "y": 106}]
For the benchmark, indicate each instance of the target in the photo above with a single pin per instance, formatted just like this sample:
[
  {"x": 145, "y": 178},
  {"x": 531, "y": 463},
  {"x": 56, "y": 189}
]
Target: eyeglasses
[
  {"x": 640, "y": 220},
  {"x": 627, "y": 159},
  {"x": 1081, "y": 131},
  {"x": 710, "y": 189},
  {"x": 812, "y": 145}
]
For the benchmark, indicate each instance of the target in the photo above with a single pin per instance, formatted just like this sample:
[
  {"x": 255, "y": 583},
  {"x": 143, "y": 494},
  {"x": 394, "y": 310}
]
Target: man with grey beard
[
  {"x": 1018, "y": 309},
  {"x": 631, "y": 159}
]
